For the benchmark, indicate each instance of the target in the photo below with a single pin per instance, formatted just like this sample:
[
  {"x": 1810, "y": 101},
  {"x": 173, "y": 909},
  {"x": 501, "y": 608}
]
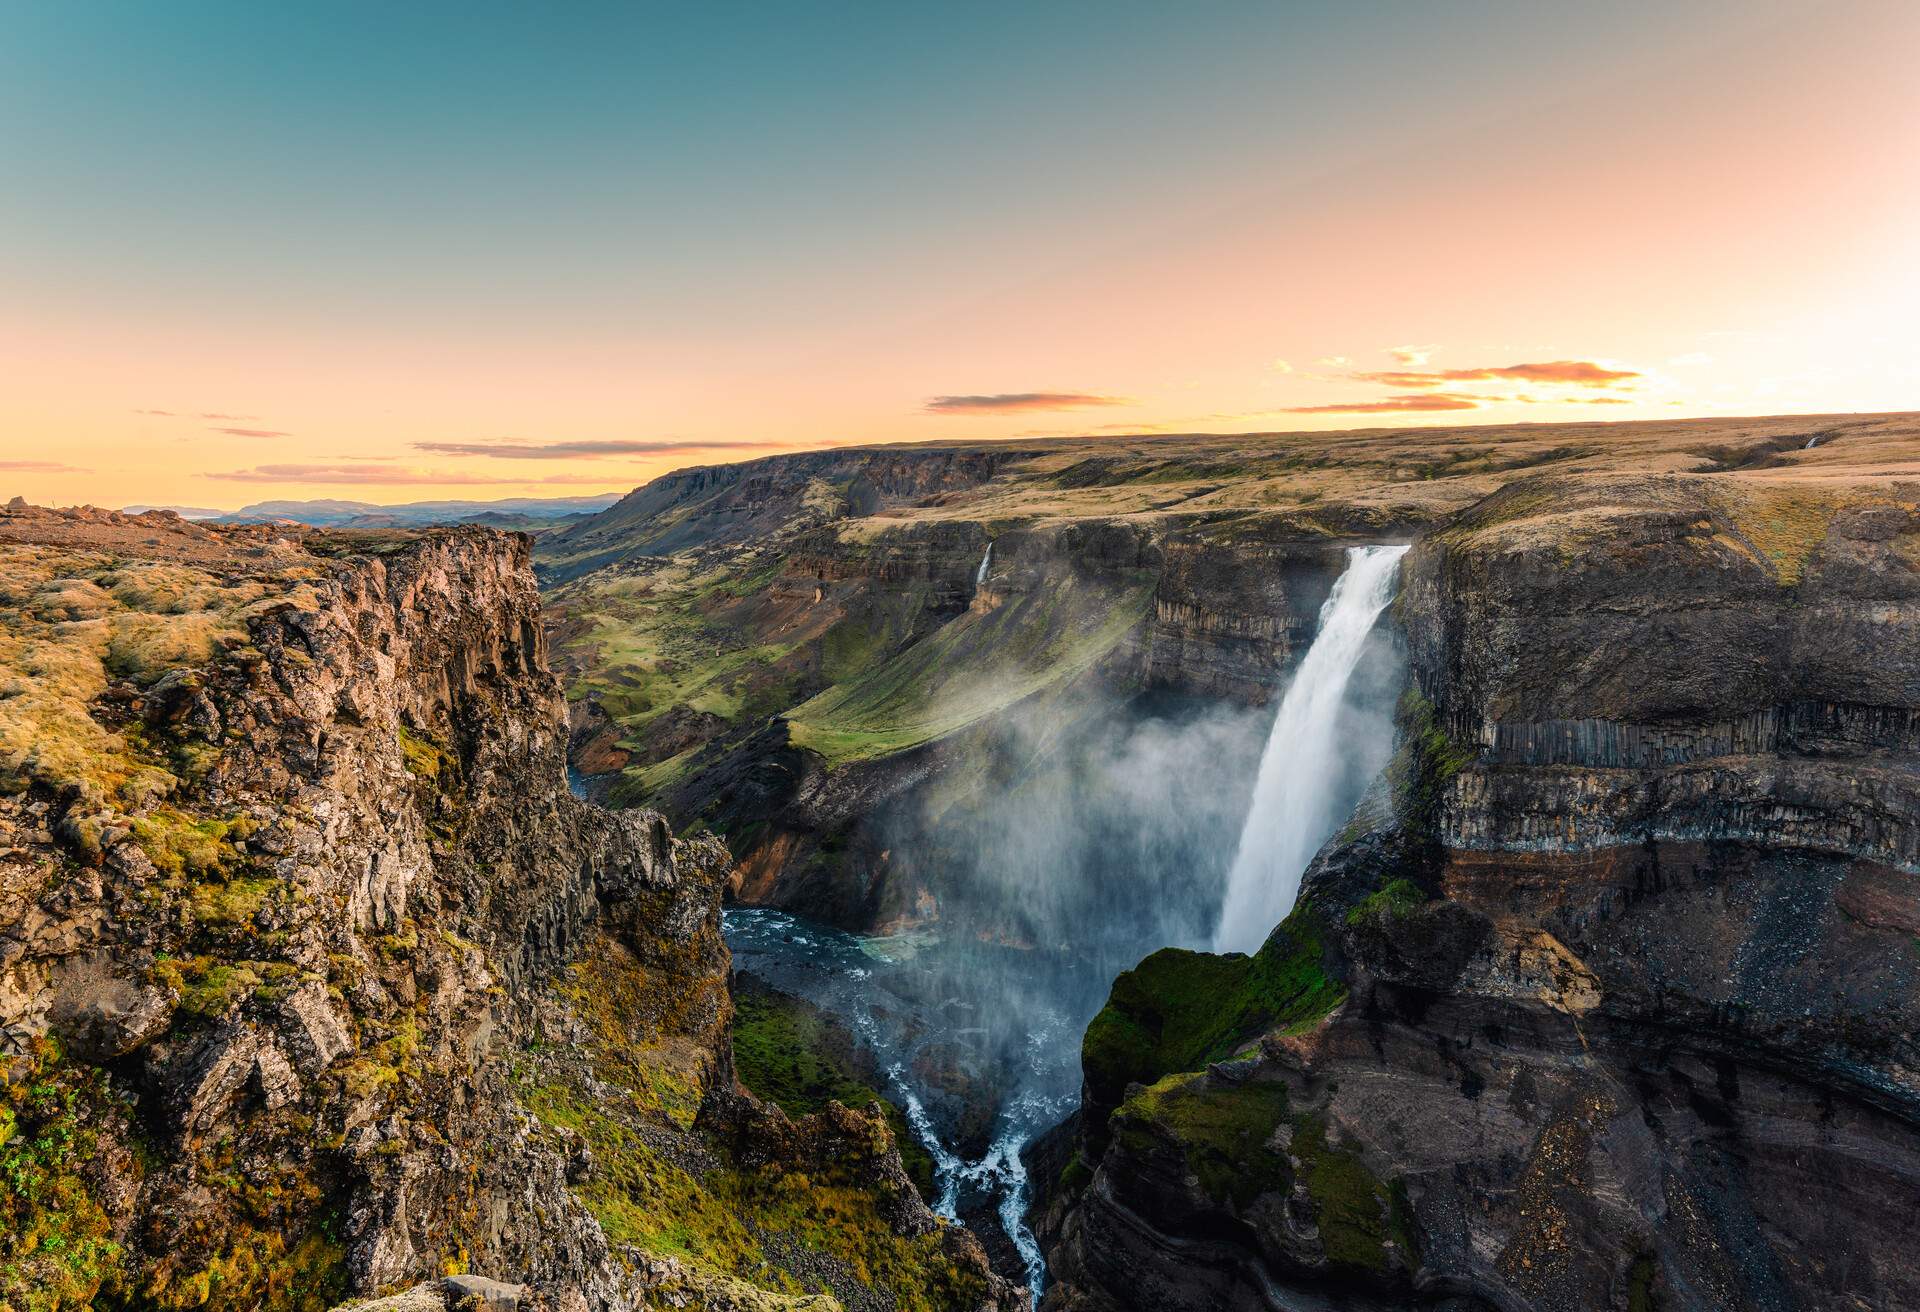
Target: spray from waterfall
[
  {"x": 1297, "y": 797},
  {"x": 980, "y": 576}
]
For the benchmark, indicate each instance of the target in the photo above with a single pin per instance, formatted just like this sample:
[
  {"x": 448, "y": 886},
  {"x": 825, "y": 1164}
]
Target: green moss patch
[
  {"x": 56, "y": 1243},
  {"x": 1223, "y": 1130},
  {"x": 792, "y": 1054},
  {"x": 1179, "y": 1010}
]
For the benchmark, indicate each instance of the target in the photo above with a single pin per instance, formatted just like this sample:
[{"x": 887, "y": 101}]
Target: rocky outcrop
[
  {"x": 282, "y": 962},
  {"x": 1611, "y": 989}
]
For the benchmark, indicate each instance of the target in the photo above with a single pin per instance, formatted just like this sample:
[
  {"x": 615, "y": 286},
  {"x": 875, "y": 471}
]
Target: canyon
[{"x": 320, "y": 982}]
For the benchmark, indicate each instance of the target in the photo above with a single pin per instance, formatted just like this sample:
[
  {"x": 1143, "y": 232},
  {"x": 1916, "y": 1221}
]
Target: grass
[
  {"x": 73, "y": 622},
  {"x": 970, "y": 668},
  {"x": 1785, "y": 524}
]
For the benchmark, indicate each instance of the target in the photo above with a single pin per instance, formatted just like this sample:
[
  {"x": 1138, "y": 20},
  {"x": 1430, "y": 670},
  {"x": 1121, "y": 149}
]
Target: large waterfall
[{"x": 1298, "y": 795}]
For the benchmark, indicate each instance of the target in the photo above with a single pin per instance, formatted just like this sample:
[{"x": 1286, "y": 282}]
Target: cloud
[
  {"x": 1282, "y": 367},
  {"x": 1417, "y": 401},
  {"x": 389, "y": 475},
  {"x": 1016, "y": 402},
  {"x": 581, "y": 450},
  {"x": 1334, "y": 361},
  {"x": 241, "y": 418},
  {"x": 251, "y": 432},
  {"x": 1412, "y": 354},
  {"x": 40, "y": 467},
  {"x": 167, "y": 413},
  {"x": 1575, "y": 373}
]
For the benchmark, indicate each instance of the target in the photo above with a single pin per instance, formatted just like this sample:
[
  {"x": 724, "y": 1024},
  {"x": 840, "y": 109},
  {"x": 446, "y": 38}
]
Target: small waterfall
[
  {"x": 980, "y": 575},
  {"x": 1296, "y": 801},
  {"x": 1808, "y": 447}
]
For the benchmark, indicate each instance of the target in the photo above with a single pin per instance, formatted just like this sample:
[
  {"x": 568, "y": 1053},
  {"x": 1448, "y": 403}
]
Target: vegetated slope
[
  {"x": 791, "y": 649},
  {"x": 316, "y": 981},
  {"x": 1607, "y": 997}
]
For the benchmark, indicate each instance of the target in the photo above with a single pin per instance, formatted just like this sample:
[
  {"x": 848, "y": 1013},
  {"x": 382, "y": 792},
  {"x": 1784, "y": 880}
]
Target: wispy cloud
[
  {"x": 40, "y": 467},
  {"x": 202, "y": 414},
  {"x": 1334, "y": 361},
  {"x": 1282, "y": 367},
  {"x": 581, "y": 450},
  {"x": 1412, "y": 354},
  {"x": 252, "y": 432},
  {"x": 1416, "y": 401},
  {"x": 386, "y": 475},
  {"x": 1017, "y": 402},
  {"x": 1576, "y": 373}
]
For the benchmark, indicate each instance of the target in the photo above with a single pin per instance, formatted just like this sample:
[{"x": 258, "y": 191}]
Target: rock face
[
  {"x": 1607, "y": 998},
  {"x": 304, "y": 971}
]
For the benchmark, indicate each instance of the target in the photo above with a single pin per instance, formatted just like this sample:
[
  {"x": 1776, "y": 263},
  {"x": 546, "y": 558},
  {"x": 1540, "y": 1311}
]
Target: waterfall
[
  {"x": 1808, "y": 447},
  {"x": 980, "y": 576},
  {"x": 1297, "y": 794}
]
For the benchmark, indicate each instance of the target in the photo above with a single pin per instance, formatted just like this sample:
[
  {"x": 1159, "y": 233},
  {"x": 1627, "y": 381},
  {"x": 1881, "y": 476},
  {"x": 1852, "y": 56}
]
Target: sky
[{"x": 396, "y": 252}]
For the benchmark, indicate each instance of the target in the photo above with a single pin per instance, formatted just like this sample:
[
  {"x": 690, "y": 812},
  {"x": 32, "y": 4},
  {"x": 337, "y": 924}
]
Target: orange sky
[{"x": 1719, "y": 218}]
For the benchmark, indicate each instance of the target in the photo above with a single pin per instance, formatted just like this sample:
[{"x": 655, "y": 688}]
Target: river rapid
[{"x": 979, "y": 1047}]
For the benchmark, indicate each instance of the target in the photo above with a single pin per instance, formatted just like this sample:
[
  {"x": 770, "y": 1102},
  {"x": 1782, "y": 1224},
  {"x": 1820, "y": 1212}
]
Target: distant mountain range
[{"x": 512, "y": 512}]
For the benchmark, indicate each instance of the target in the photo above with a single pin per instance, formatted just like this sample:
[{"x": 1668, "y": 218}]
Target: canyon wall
[
  {"x": 1606, "y": 998},
  {"x": 315, "y": 980}
]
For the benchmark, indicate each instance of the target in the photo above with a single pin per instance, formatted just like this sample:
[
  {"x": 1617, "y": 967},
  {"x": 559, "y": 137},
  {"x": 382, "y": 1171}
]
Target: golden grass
[{"x": 75, "y": 621}]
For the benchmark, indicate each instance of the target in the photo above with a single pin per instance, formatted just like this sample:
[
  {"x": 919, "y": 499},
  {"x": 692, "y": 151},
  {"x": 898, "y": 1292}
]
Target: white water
[
  {"x": 980, "y": 576},
  {"x": 853, "y": 979},
  {"x": 1295, "y": 797},
  {"x": 1808, "y": 447}
]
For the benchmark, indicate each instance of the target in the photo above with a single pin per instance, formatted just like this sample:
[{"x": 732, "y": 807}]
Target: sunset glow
[{"x": 256, "y": 251}]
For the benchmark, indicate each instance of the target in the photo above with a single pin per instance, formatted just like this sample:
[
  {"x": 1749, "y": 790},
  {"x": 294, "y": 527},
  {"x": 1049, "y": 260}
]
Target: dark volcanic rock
[{"x": 1625, "y": 938}]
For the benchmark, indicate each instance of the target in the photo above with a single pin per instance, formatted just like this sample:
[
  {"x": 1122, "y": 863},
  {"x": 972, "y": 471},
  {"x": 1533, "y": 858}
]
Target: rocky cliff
[
  {"x": 315, "y": 980},
  {"x": 1606, "y": 998}
]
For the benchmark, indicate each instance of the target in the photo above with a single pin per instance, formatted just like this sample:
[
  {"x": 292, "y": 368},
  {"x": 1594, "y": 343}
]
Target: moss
[
  {"x": 208, "y": 987},
  {"x": 1640, "y": 1284},
  {"x": 1179, "y": 1010},
  {"x": 1352, "y": 1206},
  {"x": 661, "y": 1183},
  {"x": 1223, "y": 1131},
  {"x": 185, "y": 846},
  {"x": 57, "y": 1249},
  {"x": 1399, "y": 897},
  {"x": 1426, "y": 762},
  {"x": 799, "y": 1058},
  {"x": 236, "y": 902},
  {"x": 423, "y": 756}
]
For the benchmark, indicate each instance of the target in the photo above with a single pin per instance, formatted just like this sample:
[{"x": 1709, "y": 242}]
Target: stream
[{"x": 971, "y": 1047}]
